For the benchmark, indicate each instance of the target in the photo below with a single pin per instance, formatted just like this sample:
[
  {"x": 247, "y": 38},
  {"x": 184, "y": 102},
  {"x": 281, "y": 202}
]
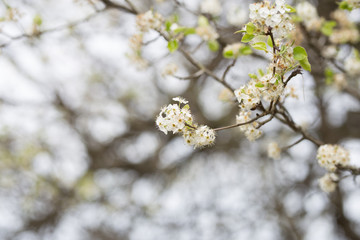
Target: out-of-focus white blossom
[
  {"x": 208, "y": 33},
  {"x": 346, "y": 30},
  {"x": 135, "y": 44},
  {"x": 212, "y": 7},
  {"x": 328, "y": 182},
  {"x": 329, "y": 51},
  {"x": 250, "y": 130},
  {"x": 149, "y": 20},
  {"x": 307, "y": 12},
  {"x": 169, "y": 70},
  {"x": 330, "y": 156},
  {"x": 273, "y": 150},
  {"x": 352, "y": 66},
  {"x": 237, "y": 16},
  {"x": 340, "y": 81}
]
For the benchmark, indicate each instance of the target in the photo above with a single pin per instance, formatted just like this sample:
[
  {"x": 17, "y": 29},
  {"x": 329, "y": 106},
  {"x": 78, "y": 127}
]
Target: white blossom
[
  {"x": 169, "y": 70},
  {"x": 212, "y": 7},
  {"x": 328, "y": 182},
  {"x": 250, "y": 130},
  {"x": 149, "y": 20},
  {"x": 330, "y": 156},
  {"x": 273, "y": 150},
  {"x": 208, "y": 33}
]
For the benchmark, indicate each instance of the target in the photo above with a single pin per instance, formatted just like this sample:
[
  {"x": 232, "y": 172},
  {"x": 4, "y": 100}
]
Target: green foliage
[
  {"x": 173, "y": 45},
  {"x": 305, "y": 64},
  {"x": 290, "y": 9},
  {"x": 185, "y": 30},
  {"x": 299, "y": 53},
  {"x": 254, "y": 76},
  {"x": 345, "y": 6},
  {"x": 260, "y": 71},
  {"x": 269, "y": 42},
  {"x": 259, "y": 46},
  {"x": 259, "y": 85},
  {"x": 327, "y": 27},
  {"x": 247, "y": 37},
  {"x": 246, "y": 50},
  {"x": 250, "y": 28},
  {"x": 37, "y": 20},
  {"x": 213, "y": 45},
  {"x": 329, "y": 76}
]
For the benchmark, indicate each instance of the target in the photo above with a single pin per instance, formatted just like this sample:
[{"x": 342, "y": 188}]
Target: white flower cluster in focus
[
  {"x": 328, "y": 182},
  {"x": 177, "y": 118},
  {"x": 212, "y": 7},
  {"x": 267, "y": 87},
  {"x": 250, "y": 130},
  {"x": 149, "y": 20},
  {"x": 273, "y": 150},
  {"x": 265, "y": 15},
  {"x": 330, "y": 156}
]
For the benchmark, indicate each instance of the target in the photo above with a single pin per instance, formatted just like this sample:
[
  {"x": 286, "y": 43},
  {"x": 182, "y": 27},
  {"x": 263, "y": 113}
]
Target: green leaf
[
  {"x": 186, "y": 107},
  {"x": 269, "y": 42},
  {"x": 290, "y": 9},
  {"x": 213, "y": 45},
  {"x": 345, "y": 6},
  {"x": 168, "y": 26},
  {"x": 329, "y": 76},
  {"x": 259, "y": 46},
  {"x": 37, "y": 20},
  {"x": 305, "y": 64},
  {"x": 259, "y": 85},
  {"x": 252, "y": 76},
  {"x": 203, "y": 21},
  {"x": 247, "y": 37},
  {"x": 327, "y": 27},
  {"x": 185, "y": 30},
  {"x": 173, "y": 45},
  {"x": 240, "y": 31},
  {"x": 228, "y": 54},
  {"x": 260, "y": 71},
  {"x": 250, "y": 28},
  {"x": 299, "y": 53},
  {"x": 246, "y": 50}
]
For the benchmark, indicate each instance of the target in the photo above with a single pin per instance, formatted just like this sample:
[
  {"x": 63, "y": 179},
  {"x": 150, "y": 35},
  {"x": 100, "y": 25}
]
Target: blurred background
[{"x": 81, "y": 156}]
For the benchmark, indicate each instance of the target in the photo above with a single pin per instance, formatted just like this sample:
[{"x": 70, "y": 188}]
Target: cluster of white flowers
[
  {"x": 345, "y": 31},
  {"x": 267, "y": 87},
  {"x": 329, "y": 51},
  {"x": 352, "y": 65},
  {"x": 328, "y": 182},
  {"x": 340, "y": 81},
  {"x": 309, "y": 15},
  {"x": 149, "y": 20},
  {"x": 135, "y": 44},
  {"x": 273, "y": 150},
  {"x": 250, "y": 130},
  {"x": 169, "y": 70},
  {"x": 177, "y": 118},
  {"x": 236, "y": 16},
  {"x": 265, "y": 15},
  {"x": 208, "y": 33},
  {"x": 330, "y": 156},
  {"x": 212, "y": 7}
]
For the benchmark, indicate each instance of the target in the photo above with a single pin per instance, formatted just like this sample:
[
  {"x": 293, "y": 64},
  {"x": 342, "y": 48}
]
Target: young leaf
[
  {"x": 259, "y": 46},
  {"x": 252, "y": 76},
  {"x": 240, "y": 31},
  {"x": 247, "y": 37},
  {"x": 37, "y": 20},
  {"x": 299, "y": 53},
  {"x": 228, "y": 54},
  {"x": 305, "y": 64},
  {"x": 259, "y": 85},
  {"x": 327, "y": 27},
  {"x": 250, "y": 28},
  {"x": 260, "y": 71},
  {"x": 345, "y": 6},
  {"x": 269, "y": 42},
  {"x": 173, "y": 45},
  {"x": 213, "y": 45},
  {"x": 246, "y": 50},
  {"x": 203, "y": 21},
  {"x": 290, "y": 9}
]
